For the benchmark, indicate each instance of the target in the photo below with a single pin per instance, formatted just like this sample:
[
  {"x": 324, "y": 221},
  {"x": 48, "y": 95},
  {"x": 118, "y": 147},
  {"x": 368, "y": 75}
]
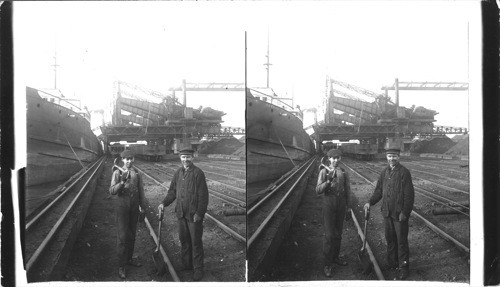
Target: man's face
[
  {"x": 334, "y": 160},
  {"x": 392, "y": 159},
  {"x": 187, "y": 160},
  {"x": 128, "y": 161}
]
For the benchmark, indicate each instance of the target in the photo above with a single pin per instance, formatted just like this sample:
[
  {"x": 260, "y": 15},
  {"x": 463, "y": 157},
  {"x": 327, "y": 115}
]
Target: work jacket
[
  {"x": 132, "y": 189},
  {"x": 395, "y": 188},
  {"x": 190, "y": 189},
  {"x": 339, "y": 186}
]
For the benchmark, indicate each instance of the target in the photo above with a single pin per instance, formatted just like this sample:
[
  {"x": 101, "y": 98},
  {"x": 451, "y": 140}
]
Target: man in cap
[
  {"x": 189, "y": 187},
  {"x": 334, "y": 184},
  {"x": 395, "y": 188},
  {"x": 127, "y": 184}
]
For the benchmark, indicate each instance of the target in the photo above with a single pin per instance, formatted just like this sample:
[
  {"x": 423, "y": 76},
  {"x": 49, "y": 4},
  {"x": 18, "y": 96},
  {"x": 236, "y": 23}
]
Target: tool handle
[
  {"x": 364, "y": 233},
  {"x": 115, "y": 166},
  {"x": 160, "y": 219},
  {"x": 159, "y": 236},
  {"x": 160, "y": 214},
  {"x": 327, "y": 168}
]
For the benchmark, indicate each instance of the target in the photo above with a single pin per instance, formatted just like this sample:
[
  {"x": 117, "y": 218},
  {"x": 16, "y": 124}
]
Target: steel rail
[
  {"x": 235, "y": 188},
  {"x": 242, "y": 190},
  {"x": 449, "y": 188},
  {"x": 439, "y": 199},
  {"x": 36, "y": 255},
  {"x": 213, "y": 192},
  {"x": 220, "y": 224},
  {"x": 440, "y": 166},
  {"x": 437, "y": 175},
  {"x": 232, "y": 200},
  {"x": 255, "y": 206},
  {"x": 277, "y": 207},
  {"x": 52, "y": 203},
  {"x": 442, "y": 233},
  {"x": 376, "y": 267},
  {"x": 226, "y": 228},
  {"x": 162, "y": 251},
  {"x": 203, "y": 164},
  {"x": 425, "y": 221}
]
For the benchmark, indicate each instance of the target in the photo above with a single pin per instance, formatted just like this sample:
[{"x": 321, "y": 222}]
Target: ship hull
[
  {"x": 276, "y": 141},
  {"x": 59, "y": 141}
]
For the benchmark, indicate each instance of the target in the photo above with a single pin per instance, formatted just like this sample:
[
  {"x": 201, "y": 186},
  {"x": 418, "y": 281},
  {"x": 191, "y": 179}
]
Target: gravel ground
[
  {"x": 94, "y": 254},
  {"x": 300, "y": 256}
]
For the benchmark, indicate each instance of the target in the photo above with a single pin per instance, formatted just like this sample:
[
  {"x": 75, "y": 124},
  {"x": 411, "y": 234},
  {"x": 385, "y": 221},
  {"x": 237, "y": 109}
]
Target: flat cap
[
  {"x": 186, "y": 151},
  {"x": 126, "y": 153},
  {"x": 334, "y": 153},
  {"x": 393, "y": 147}
]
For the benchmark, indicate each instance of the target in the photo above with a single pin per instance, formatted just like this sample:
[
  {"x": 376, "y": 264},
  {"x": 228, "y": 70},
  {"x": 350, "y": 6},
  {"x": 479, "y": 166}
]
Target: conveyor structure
[
  {"x": 145, "y": 114},
  {"x": 375, "y": 116}
]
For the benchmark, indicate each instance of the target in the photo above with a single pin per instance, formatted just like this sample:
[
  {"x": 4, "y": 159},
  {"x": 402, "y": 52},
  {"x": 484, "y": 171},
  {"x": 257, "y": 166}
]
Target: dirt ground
[
  {"x": 300, "y": 256},
  {"x": 94, "y": 254}
]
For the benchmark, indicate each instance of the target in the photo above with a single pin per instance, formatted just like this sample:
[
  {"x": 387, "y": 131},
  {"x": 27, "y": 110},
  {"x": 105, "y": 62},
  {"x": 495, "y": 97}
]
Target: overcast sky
[
  {"x": 158, "y": 44},
  {"x": 154, "y": 45},
  {"x": 367, "y": 45}
]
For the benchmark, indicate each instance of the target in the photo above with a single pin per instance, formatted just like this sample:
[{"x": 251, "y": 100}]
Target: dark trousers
[
  {"x": 396, "y": 235},
  {"x": 127, "y": 214},
  {"x": 190, "y": 234},
  {"x": 334, "y": 208}
]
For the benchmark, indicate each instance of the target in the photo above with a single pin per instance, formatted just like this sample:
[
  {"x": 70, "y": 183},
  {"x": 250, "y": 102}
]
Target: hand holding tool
[
  {"x": 362, "y": 254},
  {"x": 157, "y": 259}
]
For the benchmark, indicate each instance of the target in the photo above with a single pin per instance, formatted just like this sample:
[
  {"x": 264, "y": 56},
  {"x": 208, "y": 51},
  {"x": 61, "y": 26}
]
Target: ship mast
[
  {"x": 55, "y": 69},
  {"x": 267, "y": 64}
]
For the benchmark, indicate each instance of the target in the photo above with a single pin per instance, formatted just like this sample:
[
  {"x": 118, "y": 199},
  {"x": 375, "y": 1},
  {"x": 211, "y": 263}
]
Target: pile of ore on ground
[
  {"x": 223, "y": 146},
  {"x": 462, "y": 146},
  {"x": 241, "y": 152},
  {"x": 436, "y": 145}
]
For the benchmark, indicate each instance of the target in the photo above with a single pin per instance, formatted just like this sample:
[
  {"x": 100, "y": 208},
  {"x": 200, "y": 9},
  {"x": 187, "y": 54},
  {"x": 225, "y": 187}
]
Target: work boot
[
  {"x": 134, "y": 262},
  {"x": 328, "y": 270},
  {"x": 403, "y": 273},
  {"x": 340, "y": 262},
  {"x": 198, "y": 274},
  {"x": 393, "y": 267},
  {"x": 121, "y": 272}
]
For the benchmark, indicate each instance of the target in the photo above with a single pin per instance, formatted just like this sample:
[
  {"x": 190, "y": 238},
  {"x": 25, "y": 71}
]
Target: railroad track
[
  {"x": 238, "y": 169},
  {"x": 267, "y": 215},
  {"x": 217, "y": 189},
  {"x": 50, "y": 232},
  {"x": 450, "y": 229},
  {"x": 230, "y": 218}
]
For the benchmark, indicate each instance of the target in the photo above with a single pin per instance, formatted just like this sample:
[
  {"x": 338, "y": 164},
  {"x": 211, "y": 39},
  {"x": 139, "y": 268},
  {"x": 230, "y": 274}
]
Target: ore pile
[
  {"x": 223, "y": 146},
  {"x": 462, "y": 146},
  {"x": 435, "y": 145},
  {"x": 241, "y": 152}
]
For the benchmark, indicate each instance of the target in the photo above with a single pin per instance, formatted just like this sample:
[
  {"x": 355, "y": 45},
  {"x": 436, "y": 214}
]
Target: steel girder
[
  {"x": 137, "y": 120},
  {"x": 146, "y": 109},
  {"x": 430, "y": 86},
  {"x": 342, "y": 132},
  {"x": 355, "y": 105},
  {"x": 211, "y": 87}
]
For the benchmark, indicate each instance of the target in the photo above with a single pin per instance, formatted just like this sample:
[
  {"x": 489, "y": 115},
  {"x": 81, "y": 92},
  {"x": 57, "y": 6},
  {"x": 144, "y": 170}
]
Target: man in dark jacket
[
  {"x": 127, "y": 184},
  {"x": 189, "y": 187},
  {"x": 334, "y": 184},
  {"x": 395, "y": 188}
]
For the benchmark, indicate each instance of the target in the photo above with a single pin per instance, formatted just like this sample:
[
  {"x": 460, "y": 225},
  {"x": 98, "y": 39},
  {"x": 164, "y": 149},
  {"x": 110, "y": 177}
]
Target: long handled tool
[
  {"x": 115, "y": 166},
  {"x": 363, "y": 256},
  {"x": 157, "y": 259}
]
